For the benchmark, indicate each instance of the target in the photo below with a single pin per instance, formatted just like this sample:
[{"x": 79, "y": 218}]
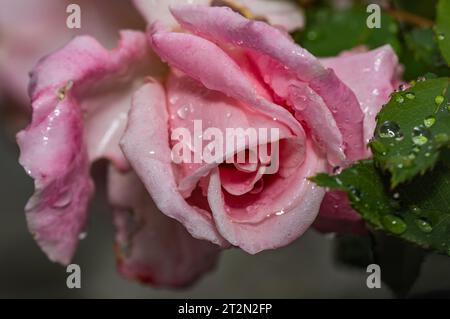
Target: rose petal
[
  {"x": 146, "y": 145},
  {"x": 189, "y": 101},
  {"x": 300, "y": 197},
  {"x": 372, "y": 75},
  {"x": 53, "y": 147},
  {"x": 190, "y": 53},
  {"x": 151, "y": 247},
  {"x": 271, "y": 42}
]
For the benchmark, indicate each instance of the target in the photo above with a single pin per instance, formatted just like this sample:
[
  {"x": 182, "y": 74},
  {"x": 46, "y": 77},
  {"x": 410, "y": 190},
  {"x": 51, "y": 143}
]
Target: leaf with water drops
[
  {"x": 412, "y": 129},
  {"x": 418, "y": 212},
  {"x": 442, "y": 29}
]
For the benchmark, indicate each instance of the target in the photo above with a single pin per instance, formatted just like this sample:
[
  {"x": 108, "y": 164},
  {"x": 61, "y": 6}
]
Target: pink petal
[
  {"x": 151, "y": 247},
  {"x": 146, "y": 146},
  {"x": 236, "y": 182},
  {"x": 300, "y": 200},
  {"x": 190, "y": 54},
  {"x": 264, "y": 39},
  {"x": 54, "y": 154},
  {"x": 54, "y": 151},
  {"x": 372, "y": 76},
  {"x": 188, "y": 101}
]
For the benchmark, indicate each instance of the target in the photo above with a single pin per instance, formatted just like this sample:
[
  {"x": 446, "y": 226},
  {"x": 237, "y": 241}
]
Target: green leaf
[
  {"x": 412, "y": 129},
  {"x": 330, "y": 31},
  {"x": 421, "y": 54},
  {"x": 418, "y": 212},
  {"x": 443, "y": 28}
]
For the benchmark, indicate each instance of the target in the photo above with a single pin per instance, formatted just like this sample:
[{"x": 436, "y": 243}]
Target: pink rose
[{"x": 225, "y": 71}]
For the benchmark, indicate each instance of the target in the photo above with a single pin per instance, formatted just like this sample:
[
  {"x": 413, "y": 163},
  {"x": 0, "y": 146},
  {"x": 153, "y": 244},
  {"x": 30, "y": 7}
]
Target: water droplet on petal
[
  {"x": 82, "y": 236},
  {"x": 63, "y": 201},
  {"x": 394, "y": 224},
  {"x": 183, "y": 112}
]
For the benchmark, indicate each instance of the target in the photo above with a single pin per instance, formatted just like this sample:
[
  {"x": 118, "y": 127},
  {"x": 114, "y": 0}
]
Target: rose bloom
[{"x": 228, "y": 71}]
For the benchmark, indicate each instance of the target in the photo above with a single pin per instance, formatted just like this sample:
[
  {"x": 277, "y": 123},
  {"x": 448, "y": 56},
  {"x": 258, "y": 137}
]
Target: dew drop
[
  {"x": 82, "y": 236},
  {"x": 389, "y": 129},
  {"x": 424, "y": 225},
  {"x": 429, "y": 121},
  {"x": 410, "y": 96},
  {"x": 439, "y": 99},
  {"x": 356, "y": 193},
  {"x": 394, "y": 224},
  {"x": 441, "y": 37},
  {"x": 420, "y": 135},
  {"x": 183, "y": 112},
  {"x": 399, "y": 99},
  {"x": 63, "y": 201}
]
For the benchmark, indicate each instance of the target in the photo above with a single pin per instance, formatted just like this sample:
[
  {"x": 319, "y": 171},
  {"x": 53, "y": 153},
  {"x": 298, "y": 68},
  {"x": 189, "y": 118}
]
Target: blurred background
[{"x": 305, "y": 269}]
